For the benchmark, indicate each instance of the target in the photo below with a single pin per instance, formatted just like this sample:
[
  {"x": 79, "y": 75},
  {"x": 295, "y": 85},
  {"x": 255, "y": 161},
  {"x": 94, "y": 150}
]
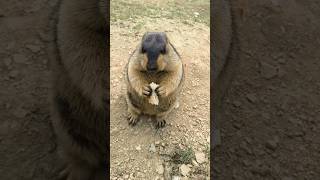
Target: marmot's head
[{"x": 154, "y": 48}]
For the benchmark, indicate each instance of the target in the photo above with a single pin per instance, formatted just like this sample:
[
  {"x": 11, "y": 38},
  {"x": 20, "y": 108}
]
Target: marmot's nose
[{"x": 152, "y": 69}]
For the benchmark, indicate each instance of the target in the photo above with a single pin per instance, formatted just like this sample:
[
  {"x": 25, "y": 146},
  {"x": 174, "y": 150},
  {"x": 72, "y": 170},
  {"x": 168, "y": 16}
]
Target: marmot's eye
[
  {"x": 163, "y": 51},
  {"x": 143, "y": 50}
]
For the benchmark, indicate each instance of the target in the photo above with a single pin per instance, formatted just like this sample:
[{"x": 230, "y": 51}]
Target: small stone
[
  {"x": 140, "y": 174},
  {"x": 115, "y": 130},
  {"x": 20, "y": 113},
  {"x": 237, "y": 103},
  {"x": 194, "y": 163},
  {"x": 19, "y": 58},
  {"x": 282, "y": 60},
  {"x": 138, "y": 148},
  {"x": 251, "y": 98},
  {"x": 160, "y": 169},
  {"x": 33, "y": 48},
  {"x": 176, "y": 177},
  {"x": 200, "y": 157},
  {"x": 7, "y": 62},
  {"x": 184, "y": 170},
  {"x": 268, "y": 71},
  {"x": 13, "y": 74},
  {"x": 152, "y": 148},
  {"x": 272, "y": 144}
]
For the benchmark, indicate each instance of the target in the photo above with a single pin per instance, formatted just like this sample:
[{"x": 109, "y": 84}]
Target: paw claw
[
  {"x": 160, "y": 90},
  {"x": 132, "y": 120},
  {"x": 161, "y": 123},
  {"x": 146, "y": 90}
]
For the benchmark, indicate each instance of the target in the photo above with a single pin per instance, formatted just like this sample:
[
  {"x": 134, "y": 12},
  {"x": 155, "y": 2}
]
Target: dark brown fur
[
  {"x": 80, "y": 88},
  {"x": 224, "y": 55}
]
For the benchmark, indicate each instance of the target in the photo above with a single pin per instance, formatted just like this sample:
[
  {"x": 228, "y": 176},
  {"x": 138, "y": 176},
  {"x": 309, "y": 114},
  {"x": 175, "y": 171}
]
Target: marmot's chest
[
  {"x": 156, "y": 78},
  {"x": 164, "y": 105}
]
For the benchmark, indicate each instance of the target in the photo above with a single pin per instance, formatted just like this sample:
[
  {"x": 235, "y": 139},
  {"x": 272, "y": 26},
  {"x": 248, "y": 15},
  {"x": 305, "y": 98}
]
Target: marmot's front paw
[
  {"x": 146, "y": 90},
  {"x": 161, "y": 91}
]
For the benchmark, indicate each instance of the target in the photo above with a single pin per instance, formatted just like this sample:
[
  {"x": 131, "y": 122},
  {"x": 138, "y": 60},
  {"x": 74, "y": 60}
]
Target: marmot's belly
[
  {"x": 164, "y": 105},
  {"x": 145, "y": 107}
]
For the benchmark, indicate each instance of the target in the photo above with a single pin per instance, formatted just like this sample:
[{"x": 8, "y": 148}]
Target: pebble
[
  {"x": 7, "y": 62},
  {"x": 140, "y": 174},
  {"x": 176, "y": 177},
  {"x": 19, "y": 58},
  {"x": 251, "y": 98},
  {"x": 282, "y": 60},
  {"x": 194, "y": 163},
  {"x": 20, "y": 113},
  {"x": 13, "y": 74},
  {"x": 138, "y": 148},
  {"x": 237, "y": 103},
  {"x": 272, "y": 144},
  {"x": 200, "y": 157},
  {"x": 160, "y": 169},
  {"x": 33, "y": 48},
  {"x": 268, "y": 71},
  {"x": 184, "y": 170},
  {"x": 152, "y": 148}
]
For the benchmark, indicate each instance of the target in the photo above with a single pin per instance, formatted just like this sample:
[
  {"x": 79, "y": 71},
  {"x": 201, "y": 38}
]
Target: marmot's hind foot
[
  {"x": 132, "y": 119},
  {"x": 160, "y": 123}
]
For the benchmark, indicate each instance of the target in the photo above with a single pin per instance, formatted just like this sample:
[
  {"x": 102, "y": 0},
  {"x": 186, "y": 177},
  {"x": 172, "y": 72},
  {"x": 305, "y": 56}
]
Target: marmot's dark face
[{"x": 154, "y": 48}]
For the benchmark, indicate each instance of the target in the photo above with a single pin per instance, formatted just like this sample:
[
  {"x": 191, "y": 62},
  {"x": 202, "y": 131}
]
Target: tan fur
[
  {"x": 80, "y": 88},
  {"x": 170, "y": 84}
]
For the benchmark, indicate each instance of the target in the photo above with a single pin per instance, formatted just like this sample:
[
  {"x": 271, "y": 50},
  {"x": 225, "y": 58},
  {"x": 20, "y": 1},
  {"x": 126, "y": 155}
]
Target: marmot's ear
[
  {"x": 165, "y": 37},
  {"x": 142, "y": 49},
  {"x": 144, "y": 36}
]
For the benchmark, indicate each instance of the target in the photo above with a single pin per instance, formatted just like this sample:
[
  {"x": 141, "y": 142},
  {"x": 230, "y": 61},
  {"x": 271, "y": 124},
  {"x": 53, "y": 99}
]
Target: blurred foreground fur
[
  {"x": 80, "y": 88},
  {"x": 227, "y": 15}
]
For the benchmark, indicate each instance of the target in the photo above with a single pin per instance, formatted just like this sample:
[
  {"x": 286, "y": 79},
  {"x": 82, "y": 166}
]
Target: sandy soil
[
  {"x": 271, "y": 125},
  {"x": 188, "y": 126},
  {"x": 27, "y": 147}
]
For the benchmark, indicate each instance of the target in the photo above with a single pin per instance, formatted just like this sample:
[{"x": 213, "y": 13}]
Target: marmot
[
  {"x": 80, "y": 88},
  {"x": 155, "y": 60},
  {"x": 224, "y": 57}
]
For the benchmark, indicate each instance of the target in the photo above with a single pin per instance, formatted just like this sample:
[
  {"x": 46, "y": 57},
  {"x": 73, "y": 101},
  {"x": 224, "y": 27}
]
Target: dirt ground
[
  {"x": 143, "y": 152},
  {"x": 270, "y": 130},
  {"x": 271, "y": 125},
  {"x": 27, "y": 147}
]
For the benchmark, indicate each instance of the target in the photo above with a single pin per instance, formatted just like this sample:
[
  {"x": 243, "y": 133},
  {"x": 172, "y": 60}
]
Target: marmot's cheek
[
  {"x": 144, "y": 62},
  {"x": 161, "y": 63}
]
